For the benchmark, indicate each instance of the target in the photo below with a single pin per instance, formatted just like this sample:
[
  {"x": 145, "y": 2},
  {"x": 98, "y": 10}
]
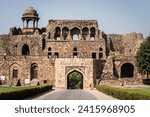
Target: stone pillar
[
  {"x": 89, "y": 36},
  {"x": 27, "y": 23},
  {"x": 61, "y": 37},
  {"x": 23, "y": 23},
  {"x": 37, "y": 23},
  {"x": 80, "y": 35},
  {"x": 69, "y": 36},
  {"x": 33, "y": 23}
]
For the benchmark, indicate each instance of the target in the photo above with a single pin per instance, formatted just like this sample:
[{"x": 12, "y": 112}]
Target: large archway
[
  {"x": 127, "y": 70},
  {"x": 75, "y": 80}
]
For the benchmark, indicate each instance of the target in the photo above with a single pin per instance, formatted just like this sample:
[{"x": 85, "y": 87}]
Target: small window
[
  {"x": 56, "y": 54},
  {"x": 100, "y": 49},
  {"x": 75, "y": 49},
  {"x": 49, "y": 49},
  {"x": 75, "y": 55},
  {"x": 45, "y": 81},
  {"x": 49, "y": 53},
  {"x": 94, "y": 55}
]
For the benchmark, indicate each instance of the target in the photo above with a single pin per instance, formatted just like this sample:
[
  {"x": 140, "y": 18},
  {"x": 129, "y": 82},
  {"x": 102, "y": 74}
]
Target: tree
[
  {"x": 75, "y": 80},
  {"x": 143, "y": 57}
]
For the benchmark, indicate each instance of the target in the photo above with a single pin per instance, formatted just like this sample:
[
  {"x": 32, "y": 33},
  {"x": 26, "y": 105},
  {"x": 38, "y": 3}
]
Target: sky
[{"x": 113, "y": 16}]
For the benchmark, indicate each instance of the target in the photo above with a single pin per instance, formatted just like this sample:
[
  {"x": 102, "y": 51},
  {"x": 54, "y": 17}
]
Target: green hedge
[
  {"x": 124, "y": 94},
  {"x": 23, "y": 92}
]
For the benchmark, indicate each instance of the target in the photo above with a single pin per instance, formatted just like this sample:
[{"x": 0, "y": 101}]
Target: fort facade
[{"x": 32, "y": 56}]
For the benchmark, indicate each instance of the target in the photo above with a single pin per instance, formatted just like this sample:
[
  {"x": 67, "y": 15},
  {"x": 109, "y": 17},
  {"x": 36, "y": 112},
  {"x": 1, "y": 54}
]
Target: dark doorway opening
[
  {"x": 127, "y": 70},
  {"x": 75, "y": 80},
  {"x": 25, "y": 50},
  {"x": 34, "y": 71}
]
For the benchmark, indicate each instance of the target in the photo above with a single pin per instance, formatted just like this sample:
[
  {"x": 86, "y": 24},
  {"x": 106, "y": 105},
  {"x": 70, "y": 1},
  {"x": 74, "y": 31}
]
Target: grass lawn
[
  {"x": 6, "y": 89},
  {"x": 126, "y": 93}
]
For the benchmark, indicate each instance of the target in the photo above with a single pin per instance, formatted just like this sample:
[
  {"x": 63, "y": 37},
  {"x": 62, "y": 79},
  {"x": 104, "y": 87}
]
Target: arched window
[
  {"x": 75, "y": 53},
  {"x": 25, "y": 50},
  {"x": 127, "y": 70},
  {"x": 15, "y": 72},
  {"x": 75, "y": 32},
  {"x": 34, "y": 71},
  {"x": 92, "y": 34},
  {"x": 43, "y": 44},
  {"x": 85, "y": 32},
  {"x": 57, "y": 33},
  {"x": 65, "y": 32}
]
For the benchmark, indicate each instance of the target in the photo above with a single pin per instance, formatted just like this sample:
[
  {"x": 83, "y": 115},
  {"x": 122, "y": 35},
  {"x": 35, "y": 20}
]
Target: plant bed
[
  {"x": 146, "y": 81},
  {"x": 17, "y": 93},
  {"x": 125, "y": 93}
]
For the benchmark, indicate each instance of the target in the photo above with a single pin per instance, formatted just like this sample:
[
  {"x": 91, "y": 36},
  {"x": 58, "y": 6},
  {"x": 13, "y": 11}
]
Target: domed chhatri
[
  {"x": 30, "y": 20},
  {"x": 30, "y": 12}
]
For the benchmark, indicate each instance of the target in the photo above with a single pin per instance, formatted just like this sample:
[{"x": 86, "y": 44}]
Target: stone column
[
  {"x": 27, "y": 23},
  {"x": 34, "y": 23},
  {"x": 37, "y": 23},
  {"x": 61, "y": 37},
  {"x": 69, "y": 36},
  {"x": 23, "y": 23},
  {"x": 80, "y": 35},
  {"x": 89, "y": 36}
]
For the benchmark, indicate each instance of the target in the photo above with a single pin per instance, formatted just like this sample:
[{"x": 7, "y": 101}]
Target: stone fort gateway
[{"x": 32, "y": 56}]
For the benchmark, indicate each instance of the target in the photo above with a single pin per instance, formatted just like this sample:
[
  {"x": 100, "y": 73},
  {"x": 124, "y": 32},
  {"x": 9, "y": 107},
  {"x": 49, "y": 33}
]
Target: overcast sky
[{"x": 113, "y": 16}]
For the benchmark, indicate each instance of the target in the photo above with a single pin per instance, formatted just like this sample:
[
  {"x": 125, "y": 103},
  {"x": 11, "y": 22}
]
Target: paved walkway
[
  {"x": 99, "y": 95},
  {"x": 63, "y": 94}
]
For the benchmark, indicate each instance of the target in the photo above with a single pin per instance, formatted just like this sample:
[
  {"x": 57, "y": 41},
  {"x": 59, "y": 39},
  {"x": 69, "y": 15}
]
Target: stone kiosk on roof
[
  {"x": 32, "y": 56},
  {"x": 30, "y": 15}
]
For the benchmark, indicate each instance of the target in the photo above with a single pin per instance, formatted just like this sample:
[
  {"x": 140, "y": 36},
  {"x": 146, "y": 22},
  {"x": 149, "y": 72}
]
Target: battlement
[{"x": 74, "y": 23}]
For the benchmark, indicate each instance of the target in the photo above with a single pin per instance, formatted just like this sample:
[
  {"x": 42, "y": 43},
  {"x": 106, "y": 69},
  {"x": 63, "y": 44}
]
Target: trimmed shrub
[
  {"x": 23, "y": 92},
  {"x": 124, "y": 94}
]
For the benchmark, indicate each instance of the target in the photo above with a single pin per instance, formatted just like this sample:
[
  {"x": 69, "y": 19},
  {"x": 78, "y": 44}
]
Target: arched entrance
[
  {"x": 75, "y": 80},
  {"x": 127, "y": 70}
]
